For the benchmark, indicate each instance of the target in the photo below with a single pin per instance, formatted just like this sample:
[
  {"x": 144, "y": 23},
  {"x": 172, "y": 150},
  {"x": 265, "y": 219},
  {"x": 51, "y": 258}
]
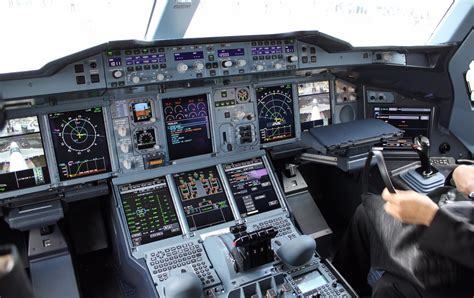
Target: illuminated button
[
  {"x": 146, "y": 67},
  {"x": 138, "y": 68},
  {"x": 153, "y": 50},
  {"x": 128, "y": 52},
  {"x": 313, "y": 59},
  {"x": 210, "y": 57},
  {"x": 130, "y": 69},
  {"x": 136, "y": 52},
  {"x": 304, "y": 59}
]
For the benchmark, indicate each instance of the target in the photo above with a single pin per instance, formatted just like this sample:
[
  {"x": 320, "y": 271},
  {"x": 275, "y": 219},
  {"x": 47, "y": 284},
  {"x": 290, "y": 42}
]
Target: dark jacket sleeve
[{"x": 450, "y": 236}]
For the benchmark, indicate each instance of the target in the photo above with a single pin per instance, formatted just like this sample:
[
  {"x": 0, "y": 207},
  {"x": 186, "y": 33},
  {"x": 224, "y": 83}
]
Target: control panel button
[
  {"x": 135, "y": 79},
  {"x": 241, "y": 62},
  {"x": 292, "y": 58}
]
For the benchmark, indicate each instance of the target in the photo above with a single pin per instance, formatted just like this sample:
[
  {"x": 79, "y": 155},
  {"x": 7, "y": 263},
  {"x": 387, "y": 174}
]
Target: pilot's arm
[{"x": 446, "y": 234}]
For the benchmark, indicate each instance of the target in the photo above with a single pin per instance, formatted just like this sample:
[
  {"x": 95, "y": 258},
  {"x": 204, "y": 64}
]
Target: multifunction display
[
  {"x": 250, "y": 183},
  {"x": 414, "y": 121},
  {"x": 188, "y": 55},
  {"x": 80, "y": 143},
  {"x": 149, "y": 211},
  {"x": 187, "y": 126},
  {"x": 275, "y": 113},
  {"x": 315, "y": 104},
  {"x": 22, "y": 159},
  {"x": 203, "y": 198}
]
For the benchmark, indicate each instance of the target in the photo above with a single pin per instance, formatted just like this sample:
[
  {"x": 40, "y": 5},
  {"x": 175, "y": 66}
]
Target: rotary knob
[
  {"x": 117, "y": 74},
  {"x": 160, "y": 77},
  {"x": 259, "y": 67},
  {"x": 241, "y": 62},
  {"x": 181, "y": 67},
  {"x": 292, "y": 58},
  {"x": 135, "y": 79},
  {"x": 198, "y": 66},
  {"x": 227, "y": 63},
  {"x": 278, "y": 66}
]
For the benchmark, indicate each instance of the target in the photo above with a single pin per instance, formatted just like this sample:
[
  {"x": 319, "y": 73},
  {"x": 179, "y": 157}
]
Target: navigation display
[
  {"x": 253, "y": 191},
  {"x": 22, "y": 159},
  {"x": 187, "y": 126},
  {"x": 149, "y": 211},
  {"x": 80, "y": 143},
  {"x": 414, "y": 121},
  {"x": 275, "y": 113},
  {"x": 203, "y": 198},
  {"x": 315, "y": 104}
]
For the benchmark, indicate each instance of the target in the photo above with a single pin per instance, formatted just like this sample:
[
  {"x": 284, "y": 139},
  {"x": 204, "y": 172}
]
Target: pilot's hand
[
  {"x": 410, "y": 207},
  {"x": 463, "y": 177}
]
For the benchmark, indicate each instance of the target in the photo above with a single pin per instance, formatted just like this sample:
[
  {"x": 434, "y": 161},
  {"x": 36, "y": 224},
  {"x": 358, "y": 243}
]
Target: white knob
[
  {"x": 136, "y": 79},
  {"x": 160, "y": 77},
  {"x": 117, "y": 74},
  {"x": 182, "y": 68},
  {"x": 198, "y": 66},
  {"x": 241, "y": 62},
  {"x": 292, "y": 58},
  {"x": 227, "y": 63},
  {"x": 278, "y": 66},
  {"x": 125, "y": 148},
  {"x": 127, "y": 164},
  {"x": 259, "y": 67}
]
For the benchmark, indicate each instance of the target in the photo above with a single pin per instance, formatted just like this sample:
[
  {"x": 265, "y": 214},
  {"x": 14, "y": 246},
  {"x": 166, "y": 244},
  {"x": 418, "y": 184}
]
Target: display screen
[
  {"x": 145, "y": 59},
  {"x": 276, "y": 117},
  {"x": 414, "y": 121},
  {"x": 188, "y": 55},
  {"x": 80, "y": 143},
  {"x": 315, "y": 104},
  {"x": 187, "y": 126},
  {"x": 145, "y": 138},
  {"x": 149, "y": 211},
  {"x": 203, "y": 198},
  {"x": 250, "y": 183},
  {"x": 22, "y": 159},
  {"x": 310, "y": 281},
  {"x": 141, "y": 111},
  {"x": 267, "y": 50},
  {"x": 115, "y": 61},
  {"x": 230, "y": 53}
]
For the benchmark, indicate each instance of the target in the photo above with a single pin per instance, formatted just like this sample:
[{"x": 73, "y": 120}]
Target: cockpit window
[
  {"x": 359, "y": 22},
  {"x": 35, "y": 32}
]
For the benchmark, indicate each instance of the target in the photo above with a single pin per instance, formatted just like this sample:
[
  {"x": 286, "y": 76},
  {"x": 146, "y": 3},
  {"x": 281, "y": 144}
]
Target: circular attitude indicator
[
  {"x": 275, "y": 113},
  {"x": 78, "y": 134}
]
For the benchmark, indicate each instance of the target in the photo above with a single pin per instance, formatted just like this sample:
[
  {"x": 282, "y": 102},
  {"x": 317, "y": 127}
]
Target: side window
[{"x": 470, "y": 80}]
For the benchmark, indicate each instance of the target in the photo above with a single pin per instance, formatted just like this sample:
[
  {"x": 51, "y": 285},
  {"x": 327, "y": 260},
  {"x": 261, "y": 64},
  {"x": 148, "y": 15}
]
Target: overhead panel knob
[
  {"x": 181, "y": 67},
  {"x": 227, "y": 63},
  {"x": 292, "y": 58},
  {"x": 241, "y": 62},
  {"x": 198, "y": 66},
  {"x": 160, "y": 77},
  {"x": 136, "y": 79},
  {"x": 117, "y": 74}
]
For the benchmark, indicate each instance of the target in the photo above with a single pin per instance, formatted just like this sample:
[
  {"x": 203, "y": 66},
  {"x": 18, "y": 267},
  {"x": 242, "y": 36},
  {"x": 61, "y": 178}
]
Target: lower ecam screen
[
  {"x": 149, "y": 211},
  {"x": 203, "y": 198},
  {"x": 251, "y": 187},
  {"x": 187, "y": 126}
]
